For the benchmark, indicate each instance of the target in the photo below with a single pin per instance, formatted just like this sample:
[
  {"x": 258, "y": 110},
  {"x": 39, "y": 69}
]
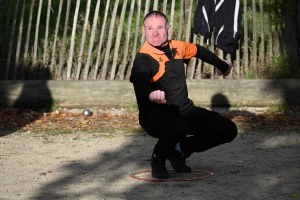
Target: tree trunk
[
  {"x": 147, "y": 5},
  {"x": 155, "y": 5},
  {"x": 165, "y": 6},
  {"x": 19, "y": 41},
  {"x": 92, "y": 39},
  {"x": 189, "y": 21},
  {"x": 63, "y": 49},
  {"x": 172, "y": 18},
  {"x": 24, "y": 66},
  {"x": 194, "y": 60},
  {"x": 1, "y": 7},
  {"x": 137, "y": 30},
  {"x": 221, "y": 56},
  {"x": 47, "y": 33},
  {"x": 298, "y": 17},
  {"x": 71, "y": 51},
  {"x": 53, "y": 62},
  {"x": 126, "y": 46},
  {"x": 109, "y": 41},
  {"x": 1, "y": 3},
  {"x": 291, "y": 35},
  {"x": 11, "y": 42},
  {"x": 270, "y": 33},
  {"x": 199, "y": 60},
  {"x": 181, "y": 20},
  {"x": 238, "y": 62},
  {"x": 255, "y": 68},
  {"x": 187, "y": 5},
  {"x": 101, "y": 39},
  {"x": 262, "y": 35},
  {"x": 276, "y": 22},
  {"x": 246, "y": 45},
  {"x": 117, "y": 44},
  {"x": 188, "y": 28},
  {"x": 4, "y": 43},
  {"x": 36, "y": 37},
  {"x": 86, "y": 20},
  {"x": 212, "y": 48}
]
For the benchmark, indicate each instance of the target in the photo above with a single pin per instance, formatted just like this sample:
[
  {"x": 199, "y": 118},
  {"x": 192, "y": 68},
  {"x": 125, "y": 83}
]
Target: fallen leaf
[{"x": 294, "y": 195}]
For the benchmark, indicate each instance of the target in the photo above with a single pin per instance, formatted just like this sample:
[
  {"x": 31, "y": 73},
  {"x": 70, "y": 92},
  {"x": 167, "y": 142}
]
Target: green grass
[
  {"x": 52, "y": 106},
  {"x": 234, "y": 105},
  {"x": 280, "y": 108},
  {"x": 132, "y": 107},
  {"x": 250, "y": 74}
]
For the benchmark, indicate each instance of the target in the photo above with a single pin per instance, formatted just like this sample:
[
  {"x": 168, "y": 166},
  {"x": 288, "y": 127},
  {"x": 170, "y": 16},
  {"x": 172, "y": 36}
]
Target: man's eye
[{"x": 149, "y": 28}]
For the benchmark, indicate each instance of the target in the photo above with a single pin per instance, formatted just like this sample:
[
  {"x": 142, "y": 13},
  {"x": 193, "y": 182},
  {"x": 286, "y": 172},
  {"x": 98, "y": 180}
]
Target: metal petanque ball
[{"x": 86, "y": 112}]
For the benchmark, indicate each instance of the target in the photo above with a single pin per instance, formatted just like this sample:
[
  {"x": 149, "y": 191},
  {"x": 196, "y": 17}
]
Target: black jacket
[
  {"x": 204, "y": 18},
  {"x": 225, "y": 17}
]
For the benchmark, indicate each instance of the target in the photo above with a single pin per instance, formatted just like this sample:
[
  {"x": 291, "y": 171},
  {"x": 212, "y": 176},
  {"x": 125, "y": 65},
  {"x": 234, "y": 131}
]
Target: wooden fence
[{"x": 98, "y": 40}]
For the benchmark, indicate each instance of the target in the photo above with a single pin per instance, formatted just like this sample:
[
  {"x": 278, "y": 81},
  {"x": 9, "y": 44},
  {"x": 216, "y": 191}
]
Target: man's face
[{"x": 156, "y": 31}]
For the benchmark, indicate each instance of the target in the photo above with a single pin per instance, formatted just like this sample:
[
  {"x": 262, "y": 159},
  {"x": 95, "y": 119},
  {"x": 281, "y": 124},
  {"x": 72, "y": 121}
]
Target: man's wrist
[{"x": 229, "y": 65}]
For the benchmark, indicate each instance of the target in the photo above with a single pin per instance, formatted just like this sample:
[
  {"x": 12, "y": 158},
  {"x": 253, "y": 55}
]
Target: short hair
[{"x": 156, "y": 14}]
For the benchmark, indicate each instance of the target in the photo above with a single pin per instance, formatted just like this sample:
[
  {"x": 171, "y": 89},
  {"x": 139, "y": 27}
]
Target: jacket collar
[{"x": 149, "y": 48}]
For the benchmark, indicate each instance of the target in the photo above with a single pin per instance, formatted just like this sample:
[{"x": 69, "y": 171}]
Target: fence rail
[{"x": 98, "y": 40}]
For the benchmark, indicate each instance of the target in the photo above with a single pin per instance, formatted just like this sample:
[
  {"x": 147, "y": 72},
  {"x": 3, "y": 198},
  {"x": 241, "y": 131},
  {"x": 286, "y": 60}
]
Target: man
[{"x": 165, "y": 111}]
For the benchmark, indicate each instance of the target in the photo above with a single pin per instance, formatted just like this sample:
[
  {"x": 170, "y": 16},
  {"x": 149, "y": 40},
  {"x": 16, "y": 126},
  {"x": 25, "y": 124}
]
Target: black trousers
[{"x": 199, "y": 131}]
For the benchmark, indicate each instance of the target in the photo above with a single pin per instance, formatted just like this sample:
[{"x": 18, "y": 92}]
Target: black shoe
[
  {"x": 159, "y": 169},
  {"x": 178, "y": 162}
]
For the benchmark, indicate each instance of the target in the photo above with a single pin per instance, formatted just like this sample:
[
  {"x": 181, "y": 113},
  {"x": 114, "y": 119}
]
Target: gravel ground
[{"x": 256, "y": 165}]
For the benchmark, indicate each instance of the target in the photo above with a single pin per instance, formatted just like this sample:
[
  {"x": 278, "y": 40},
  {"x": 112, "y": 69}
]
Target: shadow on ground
[
  {"x": 256, "y": 165},
  {"x": 29, "y": 100}
]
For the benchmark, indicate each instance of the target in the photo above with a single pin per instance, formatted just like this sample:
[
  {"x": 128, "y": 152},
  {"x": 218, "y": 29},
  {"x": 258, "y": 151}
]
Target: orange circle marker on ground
[{"x": 175, "y": 177}]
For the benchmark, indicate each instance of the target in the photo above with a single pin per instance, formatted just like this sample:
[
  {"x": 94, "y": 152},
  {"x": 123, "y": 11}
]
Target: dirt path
[{"x": 257, "y": 165}]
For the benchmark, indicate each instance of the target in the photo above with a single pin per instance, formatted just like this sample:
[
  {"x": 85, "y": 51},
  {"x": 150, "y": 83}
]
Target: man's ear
[
  {"x": 143, "y": 31},
  {"x": 169, "y": 29}
]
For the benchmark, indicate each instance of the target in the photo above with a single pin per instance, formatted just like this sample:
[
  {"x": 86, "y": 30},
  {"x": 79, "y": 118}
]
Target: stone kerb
[{"x": 81, "y": 94}]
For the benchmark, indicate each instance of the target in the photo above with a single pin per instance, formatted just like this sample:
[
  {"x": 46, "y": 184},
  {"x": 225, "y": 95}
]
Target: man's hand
[
  {"x": 228, "y": 71},
  {"x": 158, "y": 96}
]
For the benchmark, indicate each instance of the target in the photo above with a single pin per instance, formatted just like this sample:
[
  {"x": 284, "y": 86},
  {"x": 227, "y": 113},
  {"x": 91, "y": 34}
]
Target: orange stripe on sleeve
[{"x": 185, "y": 50}]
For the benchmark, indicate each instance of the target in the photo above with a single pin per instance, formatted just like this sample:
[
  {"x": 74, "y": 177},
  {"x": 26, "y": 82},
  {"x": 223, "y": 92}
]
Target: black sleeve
[
  {"x": 209, "y": 57},
  {"x": 142, "y": 85},
  {"x": 141, "y": 64}
]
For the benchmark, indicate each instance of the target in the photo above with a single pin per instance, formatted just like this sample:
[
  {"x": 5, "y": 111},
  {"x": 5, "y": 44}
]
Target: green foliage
[
  {"x": 250, "y": 74},
  {"x": 281, "y": 71},
  {"x": 52, "y": 106}
]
